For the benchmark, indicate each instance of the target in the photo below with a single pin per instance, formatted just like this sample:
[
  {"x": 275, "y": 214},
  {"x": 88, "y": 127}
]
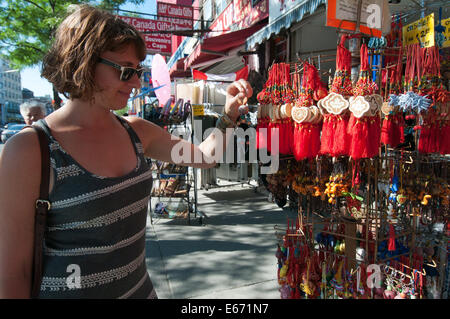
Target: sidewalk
[{"x": 231, "y": 256}]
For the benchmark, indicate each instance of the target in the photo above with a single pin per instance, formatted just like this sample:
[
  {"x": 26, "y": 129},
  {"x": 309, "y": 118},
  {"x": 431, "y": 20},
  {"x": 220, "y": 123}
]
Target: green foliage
[
  {"x": 122, "y": 111},
  {"x": 27, "y": 26}
]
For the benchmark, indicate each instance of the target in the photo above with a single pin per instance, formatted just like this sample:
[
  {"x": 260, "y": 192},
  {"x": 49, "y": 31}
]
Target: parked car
[{"x": 10, "y": 130}]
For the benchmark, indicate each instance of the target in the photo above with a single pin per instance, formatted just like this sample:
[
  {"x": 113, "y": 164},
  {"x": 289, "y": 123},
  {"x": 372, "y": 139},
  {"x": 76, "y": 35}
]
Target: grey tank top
[{"x": 95, "y": 236}]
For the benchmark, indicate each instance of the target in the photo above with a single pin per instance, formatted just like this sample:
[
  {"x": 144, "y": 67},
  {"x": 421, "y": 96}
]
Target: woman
[
  {"x": 32, "y": 111},
  {"x": 100, "y": 181}
]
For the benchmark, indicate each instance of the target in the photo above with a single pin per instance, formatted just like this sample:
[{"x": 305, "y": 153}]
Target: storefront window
[{"x": 280, "y": 49}]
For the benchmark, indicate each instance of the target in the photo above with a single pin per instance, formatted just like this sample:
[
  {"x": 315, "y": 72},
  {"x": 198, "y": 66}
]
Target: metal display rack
[{"x": 174, "y": 193}]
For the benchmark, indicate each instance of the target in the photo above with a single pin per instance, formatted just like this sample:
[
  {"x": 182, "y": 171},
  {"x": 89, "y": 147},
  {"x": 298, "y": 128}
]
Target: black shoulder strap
[{"x": 42, "y": 207}]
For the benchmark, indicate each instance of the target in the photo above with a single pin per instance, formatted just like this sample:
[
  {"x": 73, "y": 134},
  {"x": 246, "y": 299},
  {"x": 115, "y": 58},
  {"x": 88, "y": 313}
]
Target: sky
[{"x": 31, "y": 77}]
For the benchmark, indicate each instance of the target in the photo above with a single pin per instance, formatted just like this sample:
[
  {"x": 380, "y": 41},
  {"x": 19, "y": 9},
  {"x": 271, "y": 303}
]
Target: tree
[{"x": 27, "y": 28}]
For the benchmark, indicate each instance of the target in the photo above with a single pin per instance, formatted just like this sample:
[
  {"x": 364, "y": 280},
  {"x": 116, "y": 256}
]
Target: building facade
[{"x": 10, "y": 93}]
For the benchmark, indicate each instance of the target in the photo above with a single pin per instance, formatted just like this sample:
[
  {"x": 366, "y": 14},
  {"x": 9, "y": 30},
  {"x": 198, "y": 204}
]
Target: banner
[
  {"x": 246, "y": 14},
  {"x": 241, "y": 74},
  {"x": 420, "y": 31},
  {"x": 375, "y": 18},
  {"x": 223, "y": 23},
  {"x": 156, "y": 42},
  {"x": 180, "y": 16},
  {"x": 446, "y": 24}
]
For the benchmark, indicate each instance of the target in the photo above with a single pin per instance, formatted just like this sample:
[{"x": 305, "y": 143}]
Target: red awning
[
  {"x": 215, "y": 47},
  {"x": 178, "y": 71}
]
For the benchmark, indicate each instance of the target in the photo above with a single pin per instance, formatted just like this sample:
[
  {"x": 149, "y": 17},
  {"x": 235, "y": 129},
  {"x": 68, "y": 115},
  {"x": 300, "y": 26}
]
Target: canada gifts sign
[{"x": 155, "y": 42}]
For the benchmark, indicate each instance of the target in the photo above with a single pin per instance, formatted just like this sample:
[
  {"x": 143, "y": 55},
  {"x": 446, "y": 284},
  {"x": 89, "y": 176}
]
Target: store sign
[
  {"x": 420, "y": 31},
  {"x": 278, "y": 8},
  {"x": 180, "y": 16},
  {"x": 446, "y": 24},
  {"x": 223, "y": 23},
  {"x": 246, "y": 14},
  {"x": 155, "y": 42},
  {"x": 374, "y": 17},
  {"x": 198, "y": 110}
]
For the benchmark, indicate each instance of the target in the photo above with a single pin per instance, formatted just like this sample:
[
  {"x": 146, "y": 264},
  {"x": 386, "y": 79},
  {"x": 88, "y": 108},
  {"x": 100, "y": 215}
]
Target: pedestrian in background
[
  {"x": 100, "y": 182},
  {"x": 32, "y": 111}
]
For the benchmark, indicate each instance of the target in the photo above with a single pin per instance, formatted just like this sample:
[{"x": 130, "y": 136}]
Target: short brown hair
[{"x": 79, "y": 41}]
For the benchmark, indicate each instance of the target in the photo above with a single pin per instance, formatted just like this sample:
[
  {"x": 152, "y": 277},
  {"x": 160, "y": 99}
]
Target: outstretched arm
[{"x": 160, "y": 145}]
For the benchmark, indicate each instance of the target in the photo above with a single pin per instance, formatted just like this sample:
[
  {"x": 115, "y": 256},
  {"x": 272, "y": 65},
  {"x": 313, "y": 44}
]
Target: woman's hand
[{"x": 237, "y": 94}]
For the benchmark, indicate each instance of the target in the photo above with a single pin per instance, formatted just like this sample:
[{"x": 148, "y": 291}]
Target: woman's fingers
[{"x": 238, "y": 94}]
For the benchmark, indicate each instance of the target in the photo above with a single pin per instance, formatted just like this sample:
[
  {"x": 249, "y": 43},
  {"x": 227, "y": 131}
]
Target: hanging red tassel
[
  {"x": 424, "y": 140},
  {"x": 444, "y": 144},
  {"x": 388, "y": 131},
  {"x": 327, "y": 138},
  {"x": 301, "y": 143},
  {"x": 261, "y": 133},
  {"x": 364, "y": 131},
  {"x": 341, "y": 143},
  {"x": 391, "y": 240},
  {"x": 360, "y": 136},
  {"x": 339, "y": 138},
  {"x": 307, "y": 131}
]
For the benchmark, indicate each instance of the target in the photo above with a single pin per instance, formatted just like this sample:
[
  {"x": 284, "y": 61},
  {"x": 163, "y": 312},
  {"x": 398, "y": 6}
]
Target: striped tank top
[{"x": 95, "y": 236}]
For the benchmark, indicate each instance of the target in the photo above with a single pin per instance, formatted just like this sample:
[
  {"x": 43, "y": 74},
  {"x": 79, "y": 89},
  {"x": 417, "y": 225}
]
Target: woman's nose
[{"x": 136, "y": 81}]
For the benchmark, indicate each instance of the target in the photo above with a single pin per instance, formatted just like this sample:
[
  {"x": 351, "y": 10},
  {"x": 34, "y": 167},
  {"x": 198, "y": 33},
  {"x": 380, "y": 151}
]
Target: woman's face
[
  {"x": 115, "y": 93},
  {"x": 33, "y": 114}
]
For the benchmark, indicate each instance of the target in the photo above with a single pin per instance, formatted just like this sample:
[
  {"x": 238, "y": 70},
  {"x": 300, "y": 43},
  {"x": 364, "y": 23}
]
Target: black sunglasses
[{"x": 126, "y": 72}]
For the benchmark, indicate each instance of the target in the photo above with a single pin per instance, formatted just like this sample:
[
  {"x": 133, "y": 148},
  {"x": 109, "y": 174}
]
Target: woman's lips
[{"x": 125, "y": 94}]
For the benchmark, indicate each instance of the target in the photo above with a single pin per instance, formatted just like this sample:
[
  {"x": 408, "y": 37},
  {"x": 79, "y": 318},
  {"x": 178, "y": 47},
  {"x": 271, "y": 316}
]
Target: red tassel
[
  {"x": 341, "y": 140},
  {"x": 444, "y": 144},
  {"x": 434, "y": 138},
  {"x": 297, "y": 146},
  {"x": 391, "y": 240},
  {"x": 359, "y": 147},
  {"x": 327, "y": 138},
  {"x": 301, "y": 141},
  {"x": 424, "y": 139},
  {"x": 401, "y": 127},
  {"x": 261, "y": 134},
  {"x": 388, "y": 131},
  {"x": 269, "y": 134},
  {"x": 281, "y": 144}
]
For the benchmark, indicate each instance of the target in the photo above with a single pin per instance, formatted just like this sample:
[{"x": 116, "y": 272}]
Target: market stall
[{"x": 366, "y": 162}]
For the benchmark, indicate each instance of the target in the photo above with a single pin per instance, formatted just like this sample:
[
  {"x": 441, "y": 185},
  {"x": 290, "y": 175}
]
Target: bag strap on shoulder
[{"x": 42, "y": 207}]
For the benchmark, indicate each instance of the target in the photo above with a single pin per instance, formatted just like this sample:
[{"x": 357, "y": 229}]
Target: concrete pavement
[{"x": 231, "y": 256}]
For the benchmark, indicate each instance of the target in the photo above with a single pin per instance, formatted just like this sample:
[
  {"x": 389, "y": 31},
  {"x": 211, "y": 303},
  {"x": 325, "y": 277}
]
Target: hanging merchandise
[
  {"x": 263, "y": 119},
  {"x": 392, "y": 131},
  {"x": 335, "y": 140},
  {"x": 364, "y": 124},
  {"x": 426, "y": 100},
  {"x": 306, "y": 115},
  {"x": 284, "y": 114},
  {"x": 436, "y": 118},
  {"x": 373, "y": 198},
  {"x": 274, "y": 111}
]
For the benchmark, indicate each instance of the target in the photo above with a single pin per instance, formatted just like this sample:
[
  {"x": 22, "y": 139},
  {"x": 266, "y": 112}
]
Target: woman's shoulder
[
  {"x": 22, "y": 149},
  {"x": 26, "y": 141},
  {"x": 144, "y": 129}
]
